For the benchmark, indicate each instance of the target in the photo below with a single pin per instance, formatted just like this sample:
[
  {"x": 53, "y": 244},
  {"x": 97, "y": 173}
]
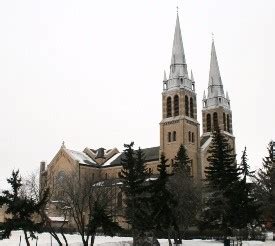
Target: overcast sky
[{"x": 90, "y": 72}]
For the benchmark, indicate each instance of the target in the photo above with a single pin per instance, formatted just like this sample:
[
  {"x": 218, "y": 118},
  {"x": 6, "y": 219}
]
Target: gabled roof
[
  {"x": 151, "y": 154},
  {"x": 80, "y": 157}
]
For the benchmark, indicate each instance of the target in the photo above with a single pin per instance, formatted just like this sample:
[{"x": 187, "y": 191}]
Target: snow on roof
[
  {"x": 108, "y": 162},
  {"x": 58, "y": 219},
  {"x": 81, "y": 157}
]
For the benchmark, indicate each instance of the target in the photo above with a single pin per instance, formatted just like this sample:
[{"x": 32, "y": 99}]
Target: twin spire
[{"x": 215, "y": 86}]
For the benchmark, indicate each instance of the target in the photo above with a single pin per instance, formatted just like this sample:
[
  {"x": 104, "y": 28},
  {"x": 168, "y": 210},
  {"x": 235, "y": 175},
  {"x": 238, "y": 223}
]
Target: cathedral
[{"x": 179, "y": 125}]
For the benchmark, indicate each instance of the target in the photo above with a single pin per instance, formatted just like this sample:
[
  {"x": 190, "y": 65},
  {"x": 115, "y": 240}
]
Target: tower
[
  {"x": 179, "y": 123},
  {"x": 216, "y": 110}
]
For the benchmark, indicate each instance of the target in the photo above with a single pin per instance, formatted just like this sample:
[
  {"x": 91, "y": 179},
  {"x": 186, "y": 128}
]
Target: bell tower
[
  {"x": 216, "y": 110},
  {"x": 179, "y": 123}
]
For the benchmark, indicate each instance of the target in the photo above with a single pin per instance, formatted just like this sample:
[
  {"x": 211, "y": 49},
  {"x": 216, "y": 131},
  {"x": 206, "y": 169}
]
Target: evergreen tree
[
  {"x": 221, "y": 184},
  {"x": 134, "y": 175},
  {"x": 186, "y": 194},
  {"x": 246, "y": 209},
  {"x": 21, "y": 208},
  {"x": 263, "y": 185},
  {"x": 182, "y": 162},
  {"x": 163, "y": 202}
]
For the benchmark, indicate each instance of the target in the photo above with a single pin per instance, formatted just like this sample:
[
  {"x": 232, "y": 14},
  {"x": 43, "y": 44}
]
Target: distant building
[{"x": 179, "y": 125}]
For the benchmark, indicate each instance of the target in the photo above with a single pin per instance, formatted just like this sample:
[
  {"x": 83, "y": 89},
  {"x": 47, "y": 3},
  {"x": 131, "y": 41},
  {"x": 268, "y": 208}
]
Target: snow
[
  {"x": 44, "y": 239},
  {"x": 108, "y": 162},
  {"x": 81, "y": 157},
  {"x": 58, "y": 219}
]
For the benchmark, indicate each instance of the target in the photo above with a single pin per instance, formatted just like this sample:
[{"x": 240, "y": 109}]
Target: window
[
  {"x": 106, "y": 175},
  {"x": 174, "y": 136},
  {"x": 169, "y": 107},
  {"x": 181, "y": 80},
  {"x": 176, "y": 105},
  {"x": 193, "y": 139},
  {"x": 93, "y": 176},
  {"x": 186, "y": 106},
  {"x": 191, "y": 108},
  {"x": 228, "y": 124},
  {"x": 208, "y": 123},
  {"x": 169, "y": 137},
  {"x": 189, "y": 136},
  {"x": 150, "y": 170},
  {"x": 118, "y": 175},
  {"x": 165, "y": 86},
  {"x": 215, "y": 120},
  {"x": 220, "y": 100},
  {"x": 224, "y": 122}
]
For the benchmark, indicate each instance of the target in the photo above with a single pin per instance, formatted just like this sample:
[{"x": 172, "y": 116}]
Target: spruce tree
[
  {"x": 182, "y": 162},
  {"x": 186, "y": 194},
  {"x": 163, "y": 202},
  {"x": 221, "y": 183},
  {"x": 263, "y": 185},
  {"x": 21, "y": 208},
  {"x": 134, "y": 175},
  {"x": 245, "y": 209}
]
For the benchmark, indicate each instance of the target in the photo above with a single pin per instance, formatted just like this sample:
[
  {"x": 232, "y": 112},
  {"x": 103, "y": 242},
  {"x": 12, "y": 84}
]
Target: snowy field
[{"x": 44, "y": 239}]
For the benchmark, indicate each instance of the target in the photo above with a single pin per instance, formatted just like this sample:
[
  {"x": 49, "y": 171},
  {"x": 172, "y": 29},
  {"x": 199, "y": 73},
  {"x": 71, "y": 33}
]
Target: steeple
[
  {"x": 215, "y": 86},
  {"x": 178, "y": 63}
]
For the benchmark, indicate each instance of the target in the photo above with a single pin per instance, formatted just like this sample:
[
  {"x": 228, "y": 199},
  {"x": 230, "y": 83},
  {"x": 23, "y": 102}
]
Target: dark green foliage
[
  {"x": 137, "y": 199},
  {"x": 21, "y": 208},
  {"x": 263, "y": 185},
  {"x": 185, "y": 192},
  {"x": 222, "y": 179},
  {"x": 100, "y": 218},
  {"x": 182, "y": 162},
  {"x": 162, "y": 200}
]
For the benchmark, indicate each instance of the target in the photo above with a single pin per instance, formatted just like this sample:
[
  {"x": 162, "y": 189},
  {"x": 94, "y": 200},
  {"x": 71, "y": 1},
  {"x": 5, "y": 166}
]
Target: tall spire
[
  {"x": 215, "y": 87},
  {"x": 178, "y": 62}
]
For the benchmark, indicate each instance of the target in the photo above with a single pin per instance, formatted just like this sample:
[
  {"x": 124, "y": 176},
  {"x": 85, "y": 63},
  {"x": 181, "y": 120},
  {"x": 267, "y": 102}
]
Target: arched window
[
  {"x": 119, "y": 200},
  {"x": 174, "y": 136},
  {"x": 191, "y": 108},
  {"x": 215, "y": 120},
  {"x": 228, "y": 123},
  {"x": 186, "y": 106},
  {"x": 189, "y": 136},
  {"x": 169, "y": 137},
  {"x": 224, "y": 122},
  {"x": 176, "y": 105},
  {"x": 208, "y": 123},
  {"x": 169, "y": 107}
]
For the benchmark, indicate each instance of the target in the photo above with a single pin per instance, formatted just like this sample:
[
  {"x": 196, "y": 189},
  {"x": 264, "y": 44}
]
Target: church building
[{"x": 179, "y": 125}]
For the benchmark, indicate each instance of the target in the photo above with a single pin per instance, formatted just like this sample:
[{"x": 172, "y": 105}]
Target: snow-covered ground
[{"x": 44, "y": 239}]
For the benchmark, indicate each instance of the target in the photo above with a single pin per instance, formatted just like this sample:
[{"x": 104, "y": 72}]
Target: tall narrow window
[
  {"x": 176, "y": 105},
  {"x": 191, "y": 108},
  {"x": 193, "y": 139},
  {"x": 224, "y": 122},
  {"x": 186, "y": 106},
  {"x": 208, "y": 123},
  {"x": 215, "y": 120},
  {"x": 169, "y": 137},
  {"x": 189, "y": 136},
  {"x": 169, "y": 107},
  {"x": 228, "y": 124},
  {"x": 174, "y": 136}
]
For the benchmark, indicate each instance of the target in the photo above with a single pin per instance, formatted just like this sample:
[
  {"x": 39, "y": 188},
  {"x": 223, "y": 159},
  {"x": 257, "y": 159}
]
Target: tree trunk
[
  {"x": 26, "y": 238},
  {"x": 64, "y": 237},
  {"x": 92, "y": 240}
]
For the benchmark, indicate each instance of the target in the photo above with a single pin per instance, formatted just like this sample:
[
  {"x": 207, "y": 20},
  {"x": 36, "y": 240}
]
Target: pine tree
[
  {"x": 263, "y": 185},
  {"x": 186, "y": 194},
  {"x": 134, "y": 175},
  {"x": 221, "y": 183},
  {"x": 246, "y": 209},
  {"x": 21, "y": 208},
  {"x": 182, "y": 162},
  {"x": 162, "y": 201}
]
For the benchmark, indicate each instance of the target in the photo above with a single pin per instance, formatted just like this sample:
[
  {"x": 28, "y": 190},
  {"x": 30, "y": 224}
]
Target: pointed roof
[
  {"x": 192, "y": 76},
  {"x": 215, "y": 87},
  {"x": 178, "y": 56}
]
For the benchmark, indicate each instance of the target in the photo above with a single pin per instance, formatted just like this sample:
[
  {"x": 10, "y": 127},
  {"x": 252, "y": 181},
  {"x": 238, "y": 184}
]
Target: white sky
[{"x": 90, "y": 72}]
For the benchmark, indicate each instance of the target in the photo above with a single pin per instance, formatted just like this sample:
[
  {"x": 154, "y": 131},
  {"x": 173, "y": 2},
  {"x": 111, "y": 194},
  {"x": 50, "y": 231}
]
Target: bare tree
[{"x": 83, "y": 196}]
